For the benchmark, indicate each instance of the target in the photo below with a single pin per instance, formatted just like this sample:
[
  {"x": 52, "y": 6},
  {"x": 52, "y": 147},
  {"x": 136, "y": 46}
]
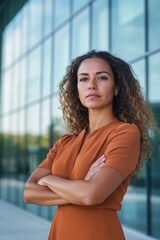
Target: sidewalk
[{"x": 19, "y": 224}]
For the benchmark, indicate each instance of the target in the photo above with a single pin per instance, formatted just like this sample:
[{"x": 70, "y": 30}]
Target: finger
[
  {"x": 99, "y": 166},
  {"x": 100, "y": 160}
]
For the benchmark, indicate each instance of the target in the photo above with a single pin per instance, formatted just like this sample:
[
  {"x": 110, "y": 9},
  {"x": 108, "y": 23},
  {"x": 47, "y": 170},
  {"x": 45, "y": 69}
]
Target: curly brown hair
[{"x": 129, "y": 105}]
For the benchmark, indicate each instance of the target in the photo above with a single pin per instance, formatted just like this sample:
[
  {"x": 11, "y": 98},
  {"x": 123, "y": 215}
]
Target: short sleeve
[
  {"x": 48, "y": 161},
  {"x": 123, "y": 149}
]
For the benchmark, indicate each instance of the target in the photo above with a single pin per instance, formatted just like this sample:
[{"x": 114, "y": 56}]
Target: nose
[{"x": 92, "y": 84}]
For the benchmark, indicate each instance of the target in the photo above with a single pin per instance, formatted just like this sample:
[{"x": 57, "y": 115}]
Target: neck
[{"x": 99, "y": 119}]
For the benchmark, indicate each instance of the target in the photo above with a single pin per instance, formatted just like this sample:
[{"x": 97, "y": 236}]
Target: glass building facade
[{"x": 38, "y": 39}]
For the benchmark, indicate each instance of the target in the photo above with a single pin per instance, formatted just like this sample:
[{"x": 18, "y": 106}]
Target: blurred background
[{"x": 38, "y": 39}]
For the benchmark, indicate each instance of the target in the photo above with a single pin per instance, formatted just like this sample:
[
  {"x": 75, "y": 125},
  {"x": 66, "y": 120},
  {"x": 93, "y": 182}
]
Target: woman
[{"x": 87, "y": 173}]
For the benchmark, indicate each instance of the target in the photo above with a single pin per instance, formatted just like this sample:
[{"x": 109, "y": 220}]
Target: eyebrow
[{"x": 97, "y": 73}]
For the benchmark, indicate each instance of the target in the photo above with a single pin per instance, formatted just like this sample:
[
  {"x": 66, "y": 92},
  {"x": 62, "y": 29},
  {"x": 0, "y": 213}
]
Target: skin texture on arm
[
  {"x": 85, "y": 192},
  {"x": 41, "y": 195}
]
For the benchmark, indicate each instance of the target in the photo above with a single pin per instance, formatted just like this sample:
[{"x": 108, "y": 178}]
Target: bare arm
[
  {"x": 41, "y": 195},
  {"x": 94, "y": 189}
]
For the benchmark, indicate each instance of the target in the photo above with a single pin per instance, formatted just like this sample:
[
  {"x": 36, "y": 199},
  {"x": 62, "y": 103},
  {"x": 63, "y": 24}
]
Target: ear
[{"x": 116, "y": 91}]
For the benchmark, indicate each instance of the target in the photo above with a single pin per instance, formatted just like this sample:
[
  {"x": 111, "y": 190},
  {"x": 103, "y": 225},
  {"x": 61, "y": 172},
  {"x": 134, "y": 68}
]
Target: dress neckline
[{"x": 98, "y": 129}]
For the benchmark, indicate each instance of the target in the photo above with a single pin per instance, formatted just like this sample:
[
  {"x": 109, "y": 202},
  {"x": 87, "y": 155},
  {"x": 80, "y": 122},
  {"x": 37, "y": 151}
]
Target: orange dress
[{"x": 120, "y": 142}]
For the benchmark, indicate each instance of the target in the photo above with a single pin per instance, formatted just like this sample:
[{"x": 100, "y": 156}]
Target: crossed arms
[{"x": 43, "y": 188}]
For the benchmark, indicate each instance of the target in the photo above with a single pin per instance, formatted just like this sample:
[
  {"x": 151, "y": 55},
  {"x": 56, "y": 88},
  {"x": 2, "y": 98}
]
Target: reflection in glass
[
  {"x": 35, "y": 21},
  {"x": 33, "y": 132},
  {"x": 22, "y": 82},
  {"x": 135, "y": 204},
  {"x": 21, "y": 158},
  {"x": 80, "y": 38},
  {"x": 5, "y": 130},
  {"x": 154, "y": 73},
  {"x": 15, "y": 86},
  {"x": 62, "y": 10},
  {"x": 8, "y": 47},
  {"x": 100, "y": 25},
  {"x": 128, "y": 28},
  {"x": 47, "y": 65},
  {"x": 154, "y": 20},
  {"x": 155, "y": 173},
  {"x": 48, "y": 16},
  {"x": 17, "y": 32},
  {"x": 61, "y": 56},
  {"x": 154, "y": 98},
  {"x": 45, "y": 129},
  {"x": 34, "y": 75},
  {"x": 78, "y": 4},
  {"x": 6, "y": 90},
  {"x": 58, "y": 125},
  {"x": 24, "y": 28},
  {"x": 139, "y": 70}
]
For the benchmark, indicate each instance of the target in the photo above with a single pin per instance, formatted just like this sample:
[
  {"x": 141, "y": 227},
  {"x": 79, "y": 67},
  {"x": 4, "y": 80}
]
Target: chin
[{"x": 93, "y": 107}]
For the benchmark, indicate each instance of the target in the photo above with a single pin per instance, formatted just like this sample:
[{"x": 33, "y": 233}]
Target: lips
[{"x": 92, "y": 95}]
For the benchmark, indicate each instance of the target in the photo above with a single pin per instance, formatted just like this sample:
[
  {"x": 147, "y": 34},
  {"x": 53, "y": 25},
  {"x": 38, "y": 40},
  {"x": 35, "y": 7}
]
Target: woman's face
[{"x": 96, "y": 85}]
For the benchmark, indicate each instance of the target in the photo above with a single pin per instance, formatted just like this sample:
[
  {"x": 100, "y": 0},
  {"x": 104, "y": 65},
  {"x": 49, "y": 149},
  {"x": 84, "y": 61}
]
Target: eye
[
  {"x": 83, "y": 79},
  {"x": 103, "y": 78}
]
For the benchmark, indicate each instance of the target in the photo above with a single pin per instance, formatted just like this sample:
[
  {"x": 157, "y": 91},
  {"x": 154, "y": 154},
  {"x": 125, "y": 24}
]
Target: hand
[
  {"x": 96, "y": 166},
  {"x": 43, "y": 181}
]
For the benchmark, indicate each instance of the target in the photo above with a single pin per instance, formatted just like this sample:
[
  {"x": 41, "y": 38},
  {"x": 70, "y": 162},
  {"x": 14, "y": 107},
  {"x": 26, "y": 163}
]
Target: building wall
[{"x": 37, "y": 44}]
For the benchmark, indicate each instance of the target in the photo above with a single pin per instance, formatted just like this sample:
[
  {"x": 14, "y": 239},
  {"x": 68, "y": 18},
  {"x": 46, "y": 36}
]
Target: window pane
[
  {"x": 8, "y": 45},
  {"x": 45, "y": 129},
  {"x": 154, "y": 24},
  {"x": 100, "y": 25},
  {"x": 80, "y": 36},
  {"x": 6, "y": 91},
  {"x": 22, "y": 82},
  {"x": 20, "y": 159},
  {"x": 154, "y": 98},
  {"x": 57, "y": 120},
  {"x": 139, "y": 70},
  {"x": 61, "y": 11},
  {"x": 48, "y": 16},
  {"x": 47, "y": 67},
  {"x": 61, "y": 55},
  {"x": 35, "y": 21},
  {"x": 33, "y": 131},
  {"x": 155, "y": 173},
  {"x": 135, "y": 203},
  {"x": 78, "y": 4},
  {"x": 5, "y": 129},
  {"x": 15, "y": 86},
  {"x": 25, "y": 28},
  {"x": 34, "y": 75},
  {"x": 154, "y": 73},
  {"x": 128, "y": 28},
  {"x": 16, "y": 38}
]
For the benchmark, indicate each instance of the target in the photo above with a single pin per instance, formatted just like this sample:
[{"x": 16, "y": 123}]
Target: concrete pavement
[{"x": 19, "y": 224}]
